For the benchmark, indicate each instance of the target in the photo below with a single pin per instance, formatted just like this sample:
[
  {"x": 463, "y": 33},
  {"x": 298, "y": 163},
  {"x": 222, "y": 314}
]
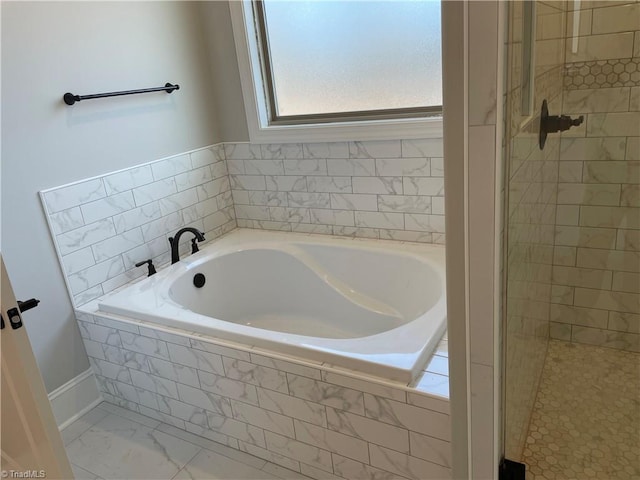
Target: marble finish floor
[
  {"x": 110, "y": 442},
  {"x": 586, "y": 419}
]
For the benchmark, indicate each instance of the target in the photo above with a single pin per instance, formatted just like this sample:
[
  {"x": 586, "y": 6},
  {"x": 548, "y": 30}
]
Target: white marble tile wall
[
  {"x": 103, "y": 226},
  {"x": 302, "y": 415},
  {"x": 375, "y": 189},
  {"x": 596, "y": 273}
]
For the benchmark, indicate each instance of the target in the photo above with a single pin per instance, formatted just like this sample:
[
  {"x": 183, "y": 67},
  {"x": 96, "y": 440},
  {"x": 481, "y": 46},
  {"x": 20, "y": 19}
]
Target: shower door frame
[{"x": 472, "y": 49}]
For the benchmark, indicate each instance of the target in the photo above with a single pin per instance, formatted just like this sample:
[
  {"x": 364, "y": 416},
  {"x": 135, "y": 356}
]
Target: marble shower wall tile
[
  {"x": 103, "y": 226},
  {"x": 595, "y": 286},
  {"x": 293, "y": 412}
]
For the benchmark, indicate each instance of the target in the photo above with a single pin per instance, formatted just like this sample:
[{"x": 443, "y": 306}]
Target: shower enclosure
[{"x": 571, "y": 276}]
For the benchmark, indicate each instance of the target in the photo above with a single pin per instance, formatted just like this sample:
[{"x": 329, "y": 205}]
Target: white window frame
[{"x": 255, "y": 103}]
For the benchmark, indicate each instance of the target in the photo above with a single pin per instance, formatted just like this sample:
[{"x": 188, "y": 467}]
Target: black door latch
[
  {"x": 28, "y": 304},
  {"x": 15, "y": 320}
]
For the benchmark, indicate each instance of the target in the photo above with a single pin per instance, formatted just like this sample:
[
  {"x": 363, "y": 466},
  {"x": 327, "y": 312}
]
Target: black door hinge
[
  {"x": 14, "y": 318},
  {"x": 510, "y": 470}
]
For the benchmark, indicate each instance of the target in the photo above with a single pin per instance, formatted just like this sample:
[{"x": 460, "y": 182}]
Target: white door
[{"x": 30, "y": 442}]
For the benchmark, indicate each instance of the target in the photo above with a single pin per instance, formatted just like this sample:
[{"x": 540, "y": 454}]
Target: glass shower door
[
  {"x": 571, "y": 323},
  {"x": 535, "y": 64}
]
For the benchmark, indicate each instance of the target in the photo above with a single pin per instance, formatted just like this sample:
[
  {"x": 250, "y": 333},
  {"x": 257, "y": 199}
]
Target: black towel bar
[{"x": 70, "y": 98}]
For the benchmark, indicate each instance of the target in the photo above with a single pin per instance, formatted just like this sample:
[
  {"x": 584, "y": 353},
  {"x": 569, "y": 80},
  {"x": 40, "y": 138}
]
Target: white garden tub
[{"x": 376, "y": 307}]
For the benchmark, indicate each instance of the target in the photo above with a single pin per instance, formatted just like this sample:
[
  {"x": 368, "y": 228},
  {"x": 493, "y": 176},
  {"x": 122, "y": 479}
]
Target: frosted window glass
[{"x": 342, "y": 56}]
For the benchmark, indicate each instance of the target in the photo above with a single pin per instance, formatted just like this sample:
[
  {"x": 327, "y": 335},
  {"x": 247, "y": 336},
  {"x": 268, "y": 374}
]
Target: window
[{"x": 369, "y": 68}]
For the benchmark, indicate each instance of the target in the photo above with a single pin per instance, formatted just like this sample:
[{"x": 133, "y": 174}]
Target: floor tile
[
  {"x": 236, "y": 455},
  {"x": 81, "y": 425},
  {"x": 81, "y": 474},
  {"x": 136, "y": 417},
  {"x": 208, "y": 465},
  {"x": 281, "y": 472},
  {"x": 584, "y": 424},
  {"x": 117, "y": 447}
]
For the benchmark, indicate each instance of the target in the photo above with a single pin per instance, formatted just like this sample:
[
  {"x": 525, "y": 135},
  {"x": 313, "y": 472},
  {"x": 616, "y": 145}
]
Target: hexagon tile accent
[
  {"x": 585, "y": 422},
  {"x": 620, "y": 72}
]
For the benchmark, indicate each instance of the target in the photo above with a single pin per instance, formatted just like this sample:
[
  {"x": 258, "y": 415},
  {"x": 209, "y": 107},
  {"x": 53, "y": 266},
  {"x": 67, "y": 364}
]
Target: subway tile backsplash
[
  {"x": 364, "y": 189},
  {"x": 103, "y": 226},
  {"x": 392, "y": 190}
]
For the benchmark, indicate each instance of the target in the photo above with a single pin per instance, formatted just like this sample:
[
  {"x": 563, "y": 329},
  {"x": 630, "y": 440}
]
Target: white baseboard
[{"x": 75, "y": 398}]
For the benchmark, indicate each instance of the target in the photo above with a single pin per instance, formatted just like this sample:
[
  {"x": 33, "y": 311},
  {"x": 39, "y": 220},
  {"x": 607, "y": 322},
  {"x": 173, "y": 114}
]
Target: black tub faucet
[{"x": 174, "y": 242}]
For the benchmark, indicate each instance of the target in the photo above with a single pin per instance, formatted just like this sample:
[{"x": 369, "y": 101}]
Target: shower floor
[{"x": 586, "y": 418}]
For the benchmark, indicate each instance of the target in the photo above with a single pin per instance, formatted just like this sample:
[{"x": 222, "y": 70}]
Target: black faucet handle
[
  {"x": 194, "y": 245},
  {"x": 152, "y": 268},
  {"x": 577, "y": 121}
]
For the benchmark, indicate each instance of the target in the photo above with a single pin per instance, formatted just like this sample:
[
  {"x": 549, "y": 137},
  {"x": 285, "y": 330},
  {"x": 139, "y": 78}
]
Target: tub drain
[{"x": 199, "y": 280}]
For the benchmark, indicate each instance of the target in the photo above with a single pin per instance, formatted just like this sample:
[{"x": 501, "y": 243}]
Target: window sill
[{"x": 344, "y": 131}]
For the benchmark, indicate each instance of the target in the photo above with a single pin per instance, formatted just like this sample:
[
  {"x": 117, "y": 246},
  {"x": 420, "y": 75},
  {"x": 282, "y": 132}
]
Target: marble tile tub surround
[
  {"x": 308, "y": 417},
  {"x": 375, "y": 189},
  {"x": 103, "y": 226}
]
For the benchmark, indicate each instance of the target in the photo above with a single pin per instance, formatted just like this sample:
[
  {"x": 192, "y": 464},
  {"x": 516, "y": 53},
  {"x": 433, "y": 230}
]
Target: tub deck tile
[
  {"x": 376, "y": 388},
  {"x": 205, "y": 399},
  {"x": 228, "y": 387},
  {"x": 300, "y": 415},
  {"x": 286, "y": 366},
  {"x": 292, "y": 407},
  {"x": 220, "y": 350},
  {"x": 407, "y": 416},
  {"x": 333, "y": 441},
  {"x": 369, "y": 430},
  {"x": 255, "y": 374},
  {"x": 326, "y": 394},
  {"x": 271, "y": 421},
  {"x": 208, "y": 362}
]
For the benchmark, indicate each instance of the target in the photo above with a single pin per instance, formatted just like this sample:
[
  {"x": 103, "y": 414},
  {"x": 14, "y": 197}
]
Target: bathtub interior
[
  {"x": 349, "y": 305},
  {"x": 320, "y": 292},
  {"x": 401, "y": 281}
]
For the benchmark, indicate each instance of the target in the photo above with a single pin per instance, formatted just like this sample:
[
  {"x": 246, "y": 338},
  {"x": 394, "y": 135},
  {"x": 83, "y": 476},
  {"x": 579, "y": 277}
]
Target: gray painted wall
[
  {"x": 226, "y": 86},
  {"x": 88, "y": 47}
]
